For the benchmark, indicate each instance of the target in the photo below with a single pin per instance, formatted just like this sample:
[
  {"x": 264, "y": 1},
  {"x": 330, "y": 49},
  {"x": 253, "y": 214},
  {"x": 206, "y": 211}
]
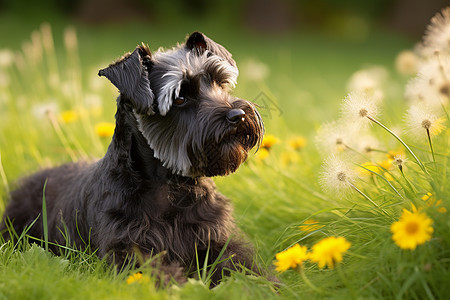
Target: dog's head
[{"x": 182, "y": 102}]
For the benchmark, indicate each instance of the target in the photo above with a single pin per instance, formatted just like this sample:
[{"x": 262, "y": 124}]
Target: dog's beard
[{"x": 208, "y": 146}]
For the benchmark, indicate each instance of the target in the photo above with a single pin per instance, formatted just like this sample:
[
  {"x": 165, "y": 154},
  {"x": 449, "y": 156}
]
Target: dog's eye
[{"x": 180, "y": 100}]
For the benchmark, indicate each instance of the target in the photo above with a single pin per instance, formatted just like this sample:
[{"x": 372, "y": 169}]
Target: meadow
[{"x": 348, "y": 154}]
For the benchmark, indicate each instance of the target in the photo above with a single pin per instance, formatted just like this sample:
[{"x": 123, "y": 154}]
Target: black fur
[{"x": 128, "y": 203}]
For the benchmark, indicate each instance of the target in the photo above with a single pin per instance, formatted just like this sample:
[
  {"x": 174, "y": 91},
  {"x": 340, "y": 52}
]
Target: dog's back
[{"x": 25, "y": 203}]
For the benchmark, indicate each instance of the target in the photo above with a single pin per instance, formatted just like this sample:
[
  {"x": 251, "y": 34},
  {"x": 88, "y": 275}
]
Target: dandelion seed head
[
  {"x": 406, "y": 63},
  {"x": 432, "y": 84},
  {"x": 358, "y": 107},
  {"x": 336, "y": 176},
  {"x": 420, "y": 118},
  {"x": 368, "y": 80},
  {"x": 332, "y": 137},
  {"x": 437, "y": 35}
]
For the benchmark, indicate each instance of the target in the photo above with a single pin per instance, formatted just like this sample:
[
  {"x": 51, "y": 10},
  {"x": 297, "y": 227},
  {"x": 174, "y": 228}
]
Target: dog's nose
[{"x": 235, "y": 115}]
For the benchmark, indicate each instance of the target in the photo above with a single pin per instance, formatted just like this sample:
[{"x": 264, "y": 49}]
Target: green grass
[{"x": 307, "y": 80}]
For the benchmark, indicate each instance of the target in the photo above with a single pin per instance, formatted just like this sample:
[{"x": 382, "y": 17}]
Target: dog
[{"x": 176, "y": 127}]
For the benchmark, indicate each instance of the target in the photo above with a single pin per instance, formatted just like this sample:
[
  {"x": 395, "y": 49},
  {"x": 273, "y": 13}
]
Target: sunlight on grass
[{"x": 378, "y": 159}]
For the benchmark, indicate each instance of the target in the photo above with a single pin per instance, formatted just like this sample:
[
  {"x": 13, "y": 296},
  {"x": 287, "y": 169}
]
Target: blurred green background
[{"x": 309, "y": 47}]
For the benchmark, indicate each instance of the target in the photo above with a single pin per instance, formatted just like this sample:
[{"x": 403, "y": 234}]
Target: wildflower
[
  {"x": 41, "y": 111},
  {"x": 334, "y": 137},
  {"x": 291, "y": 258},
  {"x": 432, "y": 85},
  {"x": 310, "y": 225},
  {"x": 297, "y": 143},
  {"x": 262, "y": 154},
  {"x": 391, "y": 154},
  {"x": 367, "y": 144},
  {"x": 414, "y": 228},
  {"x": 359, "y": 108},
  {"x": 437, "y": 36},
  {"x": 368, "y": 80},
  {"x": 138, "y": 277},
  {"x": 268, "y": 141},
  {"x": 386, "y": 164},
  {"x": 329, "y": 251},
  {"x": 388, "y": 176},
  {"x": 429, "y": 199},
  {"x": 406, "y": 63},
  {"x": 399, "y": 161},
  {"x": 105, "y": 129},
  {"x": 337, "y": 176},
  {"x": 422, "y": 120},
  {"x": 427, "y": 196},
  {"x": 368, "y": 169},
  {"x": 69, "y": 116},
  {"x": 289, "y": 158}
]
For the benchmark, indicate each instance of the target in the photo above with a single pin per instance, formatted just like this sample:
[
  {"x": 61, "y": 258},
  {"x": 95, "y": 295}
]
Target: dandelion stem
[
  {"x": 367, "y": 197},
  {"x": 407, "y": 181},
  {"x": 431, "y": 147},
  {"x": 402, "y": 142},
  {"x": 301, "y": 271},
  {"x": 385, "y": 179}
]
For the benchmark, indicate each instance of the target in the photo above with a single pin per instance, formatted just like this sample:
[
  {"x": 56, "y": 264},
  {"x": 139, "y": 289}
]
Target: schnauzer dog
[{"x": 176, "y": 126}]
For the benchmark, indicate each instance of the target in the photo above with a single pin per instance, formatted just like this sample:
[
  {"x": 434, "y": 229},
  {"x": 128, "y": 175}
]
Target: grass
[{"x": 53, "y": 100}]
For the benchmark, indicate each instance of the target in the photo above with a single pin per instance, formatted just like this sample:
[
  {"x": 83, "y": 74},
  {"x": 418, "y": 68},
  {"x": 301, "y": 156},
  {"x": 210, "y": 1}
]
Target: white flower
[
  {"x": 421, "y": 118},
  {"x": 366, "y": 143},
  {"x": 334, "y": 137},
  {"x": 41, "y": 111},
  {"x": 368, "y": 80},
  {"x": 358, "y": 107},
  {"x": 337, "y": 176},
  {"x": 437, "y": 35},
  {"x": 406, "y": 63},
  {"x": 434, "y": 82}
]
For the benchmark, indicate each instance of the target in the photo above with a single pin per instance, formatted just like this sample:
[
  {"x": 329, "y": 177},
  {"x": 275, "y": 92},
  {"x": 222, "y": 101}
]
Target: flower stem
[
  {"x": 367, "y": 197},
  {"x": 301, "y": 271},
  {"x": 402, "y": 142},
  {"x": 431, "y": 147}
]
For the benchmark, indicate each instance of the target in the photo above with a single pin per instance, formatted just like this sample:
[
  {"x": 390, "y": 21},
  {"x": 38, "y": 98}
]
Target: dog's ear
[
  {"x": 199, "y": 42},
  {"x": 130, "y": 75}
]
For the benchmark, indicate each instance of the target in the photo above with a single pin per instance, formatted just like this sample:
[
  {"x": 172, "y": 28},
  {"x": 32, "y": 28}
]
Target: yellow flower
[
  {"x": 386, "y": 164},
  {"x": 310, "y": 225},
  {"x": 291, "y": 258},
  {"x": 297, "y": 143},
  {"x": 268, "y": 141},
  {"x": 105, "y": 129},
  {"x": 427, "y": 196},
  {"x": 138, "y": 277},
  {"x": 414, "y": 228},
  {"x": 329, "y": 251},
  {"x": 69, "y": 116},
  {"x": 262, "y": 154},
  {"x": 388, "y": 176},
  {"x": 289, "y": 157},
  {"x": 391, "y": 154},
  {"x": 367, "y": 168}
]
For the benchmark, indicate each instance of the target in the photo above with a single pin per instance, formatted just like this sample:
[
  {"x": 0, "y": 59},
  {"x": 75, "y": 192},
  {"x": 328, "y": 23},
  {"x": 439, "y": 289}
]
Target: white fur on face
[{"x": 180, "y": 63}]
